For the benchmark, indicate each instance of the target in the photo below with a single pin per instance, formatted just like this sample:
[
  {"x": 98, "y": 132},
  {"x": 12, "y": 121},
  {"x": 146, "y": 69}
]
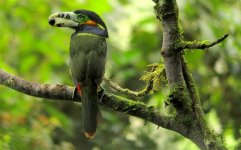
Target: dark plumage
[
  {"x": 87, "y": 65},
  {"x": 87, "y": 59}
]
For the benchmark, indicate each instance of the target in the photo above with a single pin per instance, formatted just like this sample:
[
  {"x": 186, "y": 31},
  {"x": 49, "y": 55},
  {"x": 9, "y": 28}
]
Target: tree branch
[
  {"x": 201, "y": 44},
  {"x": 63, "y": 92},
  {"x": 193, "y": 91},
  {"x": 182, "y": 86},
  {"x": 50, "y": 91},
  {"x": 126, "y": 91},
  {"x": 141, "y": 93}
]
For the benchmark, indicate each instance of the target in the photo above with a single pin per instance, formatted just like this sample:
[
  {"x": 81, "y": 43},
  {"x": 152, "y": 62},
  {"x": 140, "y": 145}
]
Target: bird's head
[{"x": 78, "y": 20}]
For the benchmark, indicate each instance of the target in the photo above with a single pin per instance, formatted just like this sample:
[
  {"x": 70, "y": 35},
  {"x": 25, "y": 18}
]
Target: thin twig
[
  {"x": 126, "y": 91},
  {"x": 144, "y": 92},
  {"x": 201, "y": 44}
]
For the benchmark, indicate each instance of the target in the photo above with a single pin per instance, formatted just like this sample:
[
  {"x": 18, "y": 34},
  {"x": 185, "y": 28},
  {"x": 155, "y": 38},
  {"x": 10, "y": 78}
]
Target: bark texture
[{"x": 190, "y": 115}]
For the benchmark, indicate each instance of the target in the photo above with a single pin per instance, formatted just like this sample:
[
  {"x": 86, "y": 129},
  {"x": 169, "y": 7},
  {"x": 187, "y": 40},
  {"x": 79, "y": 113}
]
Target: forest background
[{"x": 31, "y": 49}]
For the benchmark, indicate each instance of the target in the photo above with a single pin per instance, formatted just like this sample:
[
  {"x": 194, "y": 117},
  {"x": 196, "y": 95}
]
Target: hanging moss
[{"x": 156, "y": 76}]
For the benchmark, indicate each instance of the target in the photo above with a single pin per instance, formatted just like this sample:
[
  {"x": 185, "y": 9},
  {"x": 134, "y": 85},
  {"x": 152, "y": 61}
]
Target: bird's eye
[{"x": 81, "y": 17}]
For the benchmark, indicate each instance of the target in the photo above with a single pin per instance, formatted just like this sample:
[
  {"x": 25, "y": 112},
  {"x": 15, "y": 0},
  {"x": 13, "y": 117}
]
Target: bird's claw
[
  {"x": 74, "y": 93},
  {"x": 101, "y": 93}
]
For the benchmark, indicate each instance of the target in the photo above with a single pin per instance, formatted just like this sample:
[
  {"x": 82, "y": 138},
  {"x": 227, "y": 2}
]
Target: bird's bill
[{"x": 64, "y": 19}]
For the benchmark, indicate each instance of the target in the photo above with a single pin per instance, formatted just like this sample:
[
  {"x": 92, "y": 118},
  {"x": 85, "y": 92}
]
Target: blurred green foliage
[{"x": 31, "y": 49}]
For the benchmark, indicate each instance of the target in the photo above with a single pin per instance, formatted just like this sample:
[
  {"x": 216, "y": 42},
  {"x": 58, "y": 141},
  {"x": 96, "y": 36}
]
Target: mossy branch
[
  {"x": 197, "y": 106},
  {"x": 182, "y": 86},
  {"x": 200, "y": 44},
  {"x": 156, "y": 72},
  {"x": 64, "y": 92},
  {"x": 129, "y": 92}
]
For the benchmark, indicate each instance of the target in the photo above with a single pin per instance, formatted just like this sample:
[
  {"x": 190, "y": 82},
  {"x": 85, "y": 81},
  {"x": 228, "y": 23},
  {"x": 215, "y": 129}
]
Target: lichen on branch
[
  {"x": 154, "y": 79},
  {"x": 200, "y": 44}
]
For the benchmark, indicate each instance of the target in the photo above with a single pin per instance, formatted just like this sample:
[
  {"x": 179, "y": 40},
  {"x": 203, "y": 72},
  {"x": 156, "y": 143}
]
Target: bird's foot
[
  {"x": 77, "y": 92},
  {"x": 74, "y": 94},
  {"x": 101, "y": 93}
]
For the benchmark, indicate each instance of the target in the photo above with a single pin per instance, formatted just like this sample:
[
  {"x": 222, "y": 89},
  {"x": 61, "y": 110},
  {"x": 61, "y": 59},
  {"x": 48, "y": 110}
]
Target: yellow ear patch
[{"x": 91, "y": 22}]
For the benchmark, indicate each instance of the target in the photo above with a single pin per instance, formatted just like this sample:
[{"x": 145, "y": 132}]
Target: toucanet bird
[{"x": 87, "y": 59}]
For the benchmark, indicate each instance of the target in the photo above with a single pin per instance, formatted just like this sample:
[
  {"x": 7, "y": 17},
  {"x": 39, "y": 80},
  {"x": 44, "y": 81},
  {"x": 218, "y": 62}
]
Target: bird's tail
[{"x": 90, "y": 107}]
